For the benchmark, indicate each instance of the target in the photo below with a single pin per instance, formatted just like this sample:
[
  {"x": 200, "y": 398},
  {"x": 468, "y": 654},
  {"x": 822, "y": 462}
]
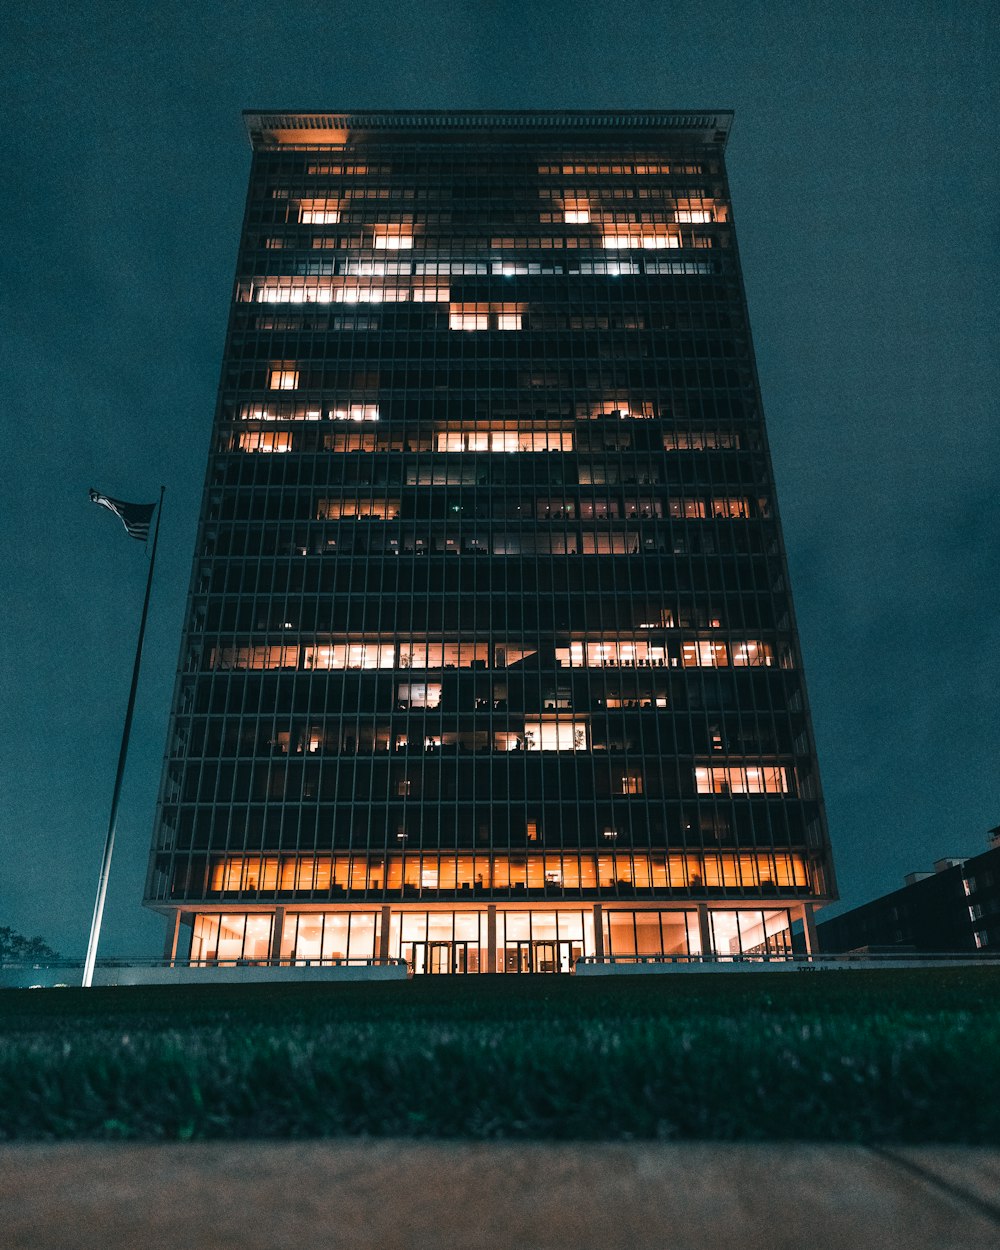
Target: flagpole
[{"x": 109, "y": 841}]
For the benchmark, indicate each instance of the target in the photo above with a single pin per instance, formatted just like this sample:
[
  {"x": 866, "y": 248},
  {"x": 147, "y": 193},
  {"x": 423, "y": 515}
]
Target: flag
[{"x": 134, "y": 516}]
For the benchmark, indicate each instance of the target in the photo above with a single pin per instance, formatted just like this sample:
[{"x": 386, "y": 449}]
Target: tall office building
[{"x": 489, "y": 659}]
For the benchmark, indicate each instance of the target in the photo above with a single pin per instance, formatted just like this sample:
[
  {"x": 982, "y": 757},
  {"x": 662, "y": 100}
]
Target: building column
[
  {"x": 491, "y": 936},
  {"x": 809, "y": 930},
  {"x": 598, "y": 931},
  {"x": 171, "y": 936},
  {"x": 383, "y": 933},
  {"x": 705, "y": 929},
  {"x": 277, "y": 926}
]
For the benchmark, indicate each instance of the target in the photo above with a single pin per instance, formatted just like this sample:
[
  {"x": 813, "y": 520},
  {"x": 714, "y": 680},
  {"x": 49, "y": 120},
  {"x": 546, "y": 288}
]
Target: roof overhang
[{"x": 301, "y": 128}]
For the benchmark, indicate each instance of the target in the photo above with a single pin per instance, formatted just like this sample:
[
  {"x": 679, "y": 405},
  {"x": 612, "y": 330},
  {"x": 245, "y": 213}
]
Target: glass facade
[{"x": 490, "y": 660}]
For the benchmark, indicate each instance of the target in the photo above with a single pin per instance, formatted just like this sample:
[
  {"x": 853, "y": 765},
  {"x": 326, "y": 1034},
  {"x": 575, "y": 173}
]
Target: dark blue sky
[{"x": 865, "y": 185}]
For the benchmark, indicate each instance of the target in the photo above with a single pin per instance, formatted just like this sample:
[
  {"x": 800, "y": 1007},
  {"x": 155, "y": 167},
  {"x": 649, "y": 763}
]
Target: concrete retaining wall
[
  {"x": 777, "y": 965},
  {"x": 25, "y": 978}
]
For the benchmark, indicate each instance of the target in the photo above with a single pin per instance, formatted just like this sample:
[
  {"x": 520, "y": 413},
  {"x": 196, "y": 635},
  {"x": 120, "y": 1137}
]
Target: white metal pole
[{"x": 109, "y": 841}]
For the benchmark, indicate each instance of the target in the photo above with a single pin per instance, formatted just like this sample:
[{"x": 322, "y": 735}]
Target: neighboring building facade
[
  {"x": 954, "y": 908},
  {"x": 490, "y": 660}
]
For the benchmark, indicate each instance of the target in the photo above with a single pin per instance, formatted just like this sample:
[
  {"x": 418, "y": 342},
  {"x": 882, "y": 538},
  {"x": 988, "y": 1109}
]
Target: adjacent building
[
  {"x": 954, "y": 908},
  {"x": 489, "y": 660}
]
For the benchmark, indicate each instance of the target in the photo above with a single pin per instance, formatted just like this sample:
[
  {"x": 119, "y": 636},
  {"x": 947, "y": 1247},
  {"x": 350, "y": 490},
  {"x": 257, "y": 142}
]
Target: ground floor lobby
[{"x": 488, "y": 938}]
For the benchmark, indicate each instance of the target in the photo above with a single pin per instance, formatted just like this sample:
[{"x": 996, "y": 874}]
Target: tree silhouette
[{"x": 15, "y": 946}]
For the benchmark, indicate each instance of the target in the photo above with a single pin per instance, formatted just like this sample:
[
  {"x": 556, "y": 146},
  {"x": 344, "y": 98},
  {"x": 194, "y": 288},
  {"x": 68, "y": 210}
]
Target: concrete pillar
[
  {"x": 491, "y": 937},
  {"x": 383, "y": 932},
  {"x": 705, "y": 929},
  {"x": 809, "y": 929},
  {"x": 171, "y": 936},
  {"x": 598, "y": 931},
  {"x": 277, "y": 925}
]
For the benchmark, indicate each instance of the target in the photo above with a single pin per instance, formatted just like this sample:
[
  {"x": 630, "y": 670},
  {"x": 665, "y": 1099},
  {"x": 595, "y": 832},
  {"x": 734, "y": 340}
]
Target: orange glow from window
[
  {"x": 392, "y": 239},
  {"x": 468, "y": 321},
  {"x": 435, "y": 871},
  {"x": 650, "y": 241},
  {"x": 731, "y": 508},
  {"x": 319, "y": 212},
  {"x": 357, "y": 509},
  {"x": 284, "y": 378},
  {"x": 355, "y": 412},
  {"x": 485, "y": 316},
  {"x": 739, "y": 780},
  {"x": 265, "y": 440}
]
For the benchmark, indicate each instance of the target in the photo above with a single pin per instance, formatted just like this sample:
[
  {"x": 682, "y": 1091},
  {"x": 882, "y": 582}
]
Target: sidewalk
[{"x": 391, "y": 1194}]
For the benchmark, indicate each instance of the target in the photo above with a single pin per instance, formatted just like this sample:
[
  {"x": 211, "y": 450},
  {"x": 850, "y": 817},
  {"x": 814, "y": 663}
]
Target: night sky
[{"x": 865, "y": 185}]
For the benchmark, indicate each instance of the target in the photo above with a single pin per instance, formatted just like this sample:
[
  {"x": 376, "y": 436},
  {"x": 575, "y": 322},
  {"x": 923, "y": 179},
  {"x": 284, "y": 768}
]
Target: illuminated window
[
  {"x": 357, "y": 509},
  {"x": 688, "y": 509},
  {"x": 349, "y": 655},
  {"x": 469, "y": 321},
  {"x": 623, "y": 409},
  {"x": 278, "y": 412},
  {"x": 576, "y": 216},
  {"x": 643, "y": 507},
  {"x": 355, "y": 412},
  {"x": 318, "y": 212},
  {"x": 228, "y": 938},
  {"x": 555, "y": 736},
  {"x": 420, "y": 694},
  {"x": 370, "y": 295},
  {"x": 485, "y": 317},
  {"x": 641, "y": 240},
  {"x": 632, "y": 783},
  {"x": 392, "y": 239},
  {"x": 752, "y": 654},
  {"x": 265, "y": 440},
  {"x": 730, "y": 507},
  {"x": 741, "y": 780},
  {"x": 504, "y": 440},
  {"x": 436, "y": 655},
  {"x": 284, "y": 378},
  {"x": 695, "y": 216},
  {"x": 638, "y": 654},
  {"x": 292, "y": 291},
  {"x": 704, "y": 655}
]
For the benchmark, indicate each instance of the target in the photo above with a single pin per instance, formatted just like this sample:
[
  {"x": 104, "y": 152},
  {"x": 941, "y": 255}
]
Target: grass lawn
[{"x": 893, "y": 1056}]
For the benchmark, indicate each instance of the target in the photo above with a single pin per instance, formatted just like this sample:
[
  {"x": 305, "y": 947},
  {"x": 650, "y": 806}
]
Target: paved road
[{"x": 387, "y": 1195}]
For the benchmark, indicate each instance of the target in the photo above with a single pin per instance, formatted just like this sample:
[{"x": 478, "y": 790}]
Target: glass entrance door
[
  {"x": 439, "y": 957},
  {"x": 546, "y": 957}
]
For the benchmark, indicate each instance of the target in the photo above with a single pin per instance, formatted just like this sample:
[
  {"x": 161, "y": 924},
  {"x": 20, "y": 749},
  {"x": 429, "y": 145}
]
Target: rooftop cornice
[{"x": 294, "y": 127}]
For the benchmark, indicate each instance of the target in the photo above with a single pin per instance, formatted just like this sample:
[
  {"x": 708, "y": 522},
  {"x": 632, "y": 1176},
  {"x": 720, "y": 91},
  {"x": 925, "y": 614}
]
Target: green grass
[{"x": 895, "y": 1056}]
